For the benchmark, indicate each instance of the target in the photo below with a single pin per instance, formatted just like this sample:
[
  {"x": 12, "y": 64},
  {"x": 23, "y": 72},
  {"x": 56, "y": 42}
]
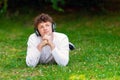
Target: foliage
[
  {"x": 96, "y": 57},
  {"x": 55, "y": 4},
  {"x": 5, "y": 4},
  {"x": 28, "y": 6},
  {"x": 3, "y": 8}
]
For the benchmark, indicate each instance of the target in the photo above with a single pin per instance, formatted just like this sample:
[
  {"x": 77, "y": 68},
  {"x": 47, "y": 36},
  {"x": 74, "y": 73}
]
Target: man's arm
[
  {"x": 33, "y": 54},
  {"x": 61, "y": 52}
]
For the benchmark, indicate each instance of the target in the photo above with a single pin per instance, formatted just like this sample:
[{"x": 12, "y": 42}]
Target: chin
[{"x": 50, "y": 33}]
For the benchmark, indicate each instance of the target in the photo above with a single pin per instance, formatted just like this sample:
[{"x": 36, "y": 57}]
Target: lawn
[{"x": 96, "y": 57}]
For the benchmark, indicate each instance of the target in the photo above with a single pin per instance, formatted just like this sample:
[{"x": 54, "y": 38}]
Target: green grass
[{"x": 96, "y": 57}]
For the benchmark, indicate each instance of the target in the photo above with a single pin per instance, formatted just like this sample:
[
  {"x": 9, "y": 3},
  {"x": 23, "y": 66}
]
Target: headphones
[{"x": 53, "y": 29}]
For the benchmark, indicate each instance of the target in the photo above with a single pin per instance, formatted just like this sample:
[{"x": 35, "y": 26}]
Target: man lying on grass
[{"x": 45, "y": 45}]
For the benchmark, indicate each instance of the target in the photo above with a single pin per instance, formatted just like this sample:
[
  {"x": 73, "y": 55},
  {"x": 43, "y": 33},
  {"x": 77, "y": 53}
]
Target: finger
[
  {"x": 45, "y": 37},
  {"x": 45, "y": 41}
]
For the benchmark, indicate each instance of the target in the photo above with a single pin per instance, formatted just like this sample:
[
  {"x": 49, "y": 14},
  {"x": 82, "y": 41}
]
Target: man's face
[{"x": 45, "y": 28}]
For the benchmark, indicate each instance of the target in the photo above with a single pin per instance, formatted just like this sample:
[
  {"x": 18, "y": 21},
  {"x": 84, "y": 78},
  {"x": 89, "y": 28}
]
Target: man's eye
[
  {"x": 47, "y": 25},
  {"x": 41, "y": 27}
]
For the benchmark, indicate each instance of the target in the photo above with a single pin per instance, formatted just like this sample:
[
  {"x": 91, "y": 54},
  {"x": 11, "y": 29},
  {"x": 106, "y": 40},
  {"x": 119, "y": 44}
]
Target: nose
[{"x": 45, "y": 28}]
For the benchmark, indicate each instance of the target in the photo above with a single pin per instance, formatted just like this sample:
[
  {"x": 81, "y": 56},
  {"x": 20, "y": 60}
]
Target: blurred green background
[{"x": 93, "y": 26}]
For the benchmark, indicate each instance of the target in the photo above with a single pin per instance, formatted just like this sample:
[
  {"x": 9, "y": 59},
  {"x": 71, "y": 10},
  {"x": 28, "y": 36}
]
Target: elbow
[
  {"x": 64, "y": 62},
  {"x": 30, "y": 63}
]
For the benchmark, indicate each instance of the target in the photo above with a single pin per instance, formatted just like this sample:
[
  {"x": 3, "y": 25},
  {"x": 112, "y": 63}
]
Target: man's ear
[{"x": 53, "y": 27}]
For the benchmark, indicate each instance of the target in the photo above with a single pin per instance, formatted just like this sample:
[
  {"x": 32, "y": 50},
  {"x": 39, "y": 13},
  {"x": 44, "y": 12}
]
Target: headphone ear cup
[
  {"x": 53, "y": 27},
  {"x": 37, "y": 32}
]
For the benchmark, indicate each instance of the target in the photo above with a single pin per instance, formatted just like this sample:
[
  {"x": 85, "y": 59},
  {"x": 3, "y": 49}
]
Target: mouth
[{"x": 45, "y": 32}]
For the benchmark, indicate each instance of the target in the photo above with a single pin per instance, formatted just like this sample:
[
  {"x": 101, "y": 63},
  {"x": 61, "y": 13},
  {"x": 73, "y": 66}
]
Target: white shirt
[{"x": 60, "y": 54}]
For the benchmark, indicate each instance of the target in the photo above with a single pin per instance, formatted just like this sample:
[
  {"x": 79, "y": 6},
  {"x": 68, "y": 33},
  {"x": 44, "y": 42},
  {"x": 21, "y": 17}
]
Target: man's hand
[
  {"x": 42, "y": 44},
  {"x": 47, "y": 40}
]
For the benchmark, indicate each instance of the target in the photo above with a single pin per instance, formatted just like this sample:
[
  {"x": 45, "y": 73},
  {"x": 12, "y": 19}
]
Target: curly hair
[{"x": 42, "y": 18}]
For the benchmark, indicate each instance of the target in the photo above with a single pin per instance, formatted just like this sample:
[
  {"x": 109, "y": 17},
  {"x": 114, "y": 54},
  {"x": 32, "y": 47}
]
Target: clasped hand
[{"x": 46, "y": 40}]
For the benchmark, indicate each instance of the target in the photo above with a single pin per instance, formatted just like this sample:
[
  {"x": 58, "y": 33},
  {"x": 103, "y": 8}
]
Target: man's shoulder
[
  {"x": 33, "y": 38},
  {"x": 60, "y": 35},
  {"x": 32, "y": 35}
]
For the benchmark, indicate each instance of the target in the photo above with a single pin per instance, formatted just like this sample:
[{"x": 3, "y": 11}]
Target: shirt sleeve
[
  {"x": 33, "y": 54},
  {"x": 61, "y": 52}
]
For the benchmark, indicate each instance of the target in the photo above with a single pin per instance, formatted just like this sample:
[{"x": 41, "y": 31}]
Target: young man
[{"x": 45, "y": 45}]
